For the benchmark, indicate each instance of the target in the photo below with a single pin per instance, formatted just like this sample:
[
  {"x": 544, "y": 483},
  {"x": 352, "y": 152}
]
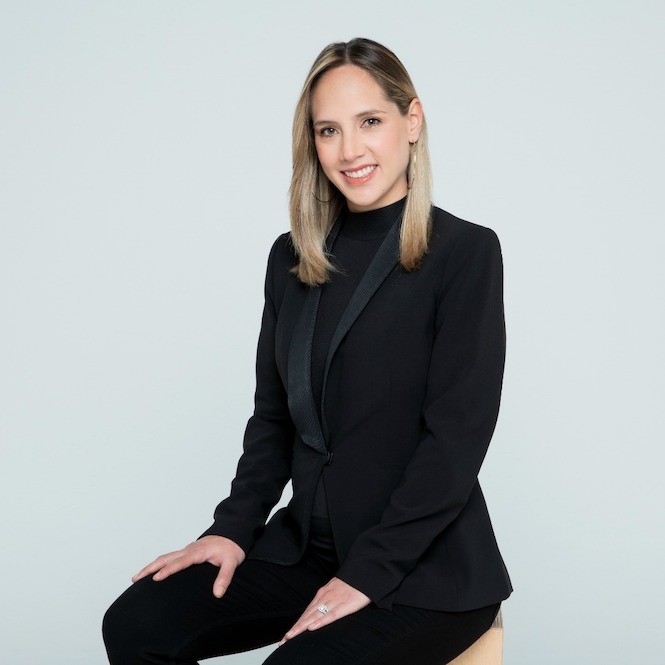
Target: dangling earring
[
  {"x": 411, "y": 168},
  {"x": 317, "y": 188}
]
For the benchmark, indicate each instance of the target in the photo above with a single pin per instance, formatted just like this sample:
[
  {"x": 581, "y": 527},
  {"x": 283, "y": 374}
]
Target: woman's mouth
[{"x": 361, "y": 175}]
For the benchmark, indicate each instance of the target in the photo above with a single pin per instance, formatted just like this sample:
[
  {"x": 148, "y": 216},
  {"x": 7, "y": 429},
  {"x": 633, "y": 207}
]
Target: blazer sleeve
[
  {"x": 265, "y": 464},
  {"x": 459, "y": 415}
]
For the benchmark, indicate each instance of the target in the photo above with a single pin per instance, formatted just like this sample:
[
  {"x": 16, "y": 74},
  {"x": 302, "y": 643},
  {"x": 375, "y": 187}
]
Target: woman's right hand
[{"x": 217, "y": 550}]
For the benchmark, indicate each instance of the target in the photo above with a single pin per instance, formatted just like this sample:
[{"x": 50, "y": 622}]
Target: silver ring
[{"x": 323, "y": 609}]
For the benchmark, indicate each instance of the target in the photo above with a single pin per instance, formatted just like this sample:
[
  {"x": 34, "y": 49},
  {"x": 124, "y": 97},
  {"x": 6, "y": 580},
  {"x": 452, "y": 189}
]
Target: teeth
[{"x": 360, "y": 174}]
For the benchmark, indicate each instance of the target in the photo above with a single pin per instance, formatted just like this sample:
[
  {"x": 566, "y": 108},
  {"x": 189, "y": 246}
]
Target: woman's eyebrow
[{"x": 362, "y": 114}]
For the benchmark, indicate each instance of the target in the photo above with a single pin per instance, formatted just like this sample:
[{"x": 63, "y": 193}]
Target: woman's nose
[{"x": 351, "y": 147}]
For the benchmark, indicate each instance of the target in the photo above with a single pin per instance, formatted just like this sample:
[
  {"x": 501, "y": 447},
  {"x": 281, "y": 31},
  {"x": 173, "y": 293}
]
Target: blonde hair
[{"x": 315, "y": 202}]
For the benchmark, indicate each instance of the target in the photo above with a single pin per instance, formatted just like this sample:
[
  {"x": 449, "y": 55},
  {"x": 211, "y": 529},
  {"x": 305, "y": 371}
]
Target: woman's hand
[
  {"x": 339, "y": 597},
  {"x": 217, "y": 550}
]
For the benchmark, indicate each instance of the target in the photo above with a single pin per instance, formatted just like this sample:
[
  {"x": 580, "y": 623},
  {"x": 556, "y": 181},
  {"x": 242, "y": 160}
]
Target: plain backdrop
[{"x": 144, "y": 169}]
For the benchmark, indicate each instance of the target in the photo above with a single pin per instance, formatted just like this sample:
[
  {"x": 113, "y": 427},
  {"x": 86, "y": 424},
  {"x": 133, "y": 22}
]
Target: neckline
[{"x": 371, "y": 224}]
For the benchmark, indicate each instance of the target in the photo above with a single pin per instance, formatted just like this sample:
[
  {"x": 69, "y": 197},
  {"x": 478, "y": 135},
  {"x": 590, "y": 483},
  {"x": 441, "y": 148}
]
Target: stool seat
[{"x": 487, "y": 650}]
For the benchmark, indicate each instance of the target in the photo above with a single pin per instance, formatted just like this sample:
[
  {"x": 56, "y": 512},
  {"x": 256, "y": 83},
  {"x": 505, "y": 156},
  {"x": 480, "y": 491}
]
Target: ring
[{"x": 323, "y": 609}]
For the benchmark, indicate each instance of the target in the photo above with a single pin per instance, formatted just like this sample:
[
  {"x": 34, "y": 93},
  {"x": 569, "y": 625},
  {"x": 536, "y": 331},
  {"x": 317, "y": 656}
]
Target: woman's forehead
[{"x": 347, "y": 90}]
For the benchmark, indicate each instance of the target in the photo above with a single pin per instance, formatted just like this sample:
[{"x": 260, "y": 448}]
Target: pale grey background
[{"x": 145, "y": 160}]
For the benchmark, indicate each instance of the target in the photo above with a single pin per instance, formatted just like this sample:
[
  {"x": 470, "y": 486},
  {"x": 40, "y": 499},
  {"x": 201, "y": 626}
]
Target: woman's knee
[
  {"x": 114, "y": 624},
  {"x": 118, "y": 629},
  {"x": 130, "y": 626},
  {"x": 157, "y": 617}
]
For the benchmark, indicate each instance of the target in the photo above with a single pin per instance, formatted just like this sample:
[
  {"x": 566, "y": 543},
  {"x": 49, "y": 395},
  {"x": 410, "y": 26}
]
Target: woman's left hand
[{"x": 339, "y": 597}]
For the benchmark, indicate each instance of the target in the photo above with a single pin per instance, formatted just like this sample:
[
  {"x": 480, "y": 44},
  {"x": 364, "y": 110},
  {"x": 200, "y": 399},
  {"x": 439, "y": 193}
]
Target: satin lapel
[
  {"x": 301, "y": 400},
  {"x": 381, "y": 266}
]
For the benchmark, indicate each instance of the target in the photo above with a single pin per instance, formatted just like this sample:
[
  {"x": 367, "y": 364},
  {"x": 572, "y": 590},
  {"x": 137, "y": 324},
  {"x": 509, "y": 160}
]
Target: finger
[
  {"x": 350, "y": 601},
  {"x": 173, "y": 566},
  {"x": 223, "y": 579},
  {"x": 316, "y": 619},
  {"x": 310, "y": 619},
  {"x": 153, "y": 566},
  {"x": 143, "y": 572}
]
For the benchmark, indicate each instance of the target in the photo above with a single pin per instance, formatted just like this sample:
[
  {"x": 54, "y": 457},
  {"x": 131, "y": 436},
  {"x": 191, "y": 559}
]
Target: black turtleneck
[{"x": 358, "y": 240}]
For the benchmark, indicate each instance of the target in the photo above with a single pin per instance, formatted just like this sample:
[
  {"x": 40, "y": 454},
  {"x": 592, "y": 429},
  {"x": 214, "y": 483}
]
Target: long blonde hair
[{"x": 315, "y": 202}]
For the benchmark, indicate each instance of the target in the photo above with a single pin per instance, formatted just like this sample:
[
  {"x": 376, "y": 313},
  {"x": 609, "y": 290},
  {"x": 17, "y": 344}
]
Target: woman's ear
[{"x": 415, "y": 119}]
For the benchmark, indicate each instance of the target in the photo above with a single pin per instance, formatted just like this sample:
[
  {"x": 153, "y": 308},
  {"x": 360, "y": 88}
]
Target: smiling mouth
[{"x": 360, "y": 173}]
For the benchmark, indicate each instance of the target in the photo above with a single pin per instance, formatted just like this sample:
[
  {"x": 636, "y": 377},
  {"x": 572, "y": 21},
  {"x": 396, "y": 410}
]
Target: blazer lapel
[
  {"x": 301, "y": 400},
  {"x": 381, "y": 266}
]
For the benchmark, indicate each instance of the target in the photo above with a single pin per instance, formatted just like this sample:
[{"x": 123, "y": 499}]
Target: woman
[{"x": 379, "y": 371}]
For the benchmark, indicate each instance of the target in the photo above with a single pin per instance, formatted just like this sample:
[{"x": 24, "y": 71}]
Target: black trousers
[{"x": 179, "y": 621}]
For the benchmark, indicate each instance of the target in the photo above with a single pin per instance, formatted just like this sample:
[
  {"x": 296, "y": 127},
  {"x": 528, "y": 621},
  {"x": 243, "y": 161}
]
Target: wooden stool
[{"x": 487, "y": 650}]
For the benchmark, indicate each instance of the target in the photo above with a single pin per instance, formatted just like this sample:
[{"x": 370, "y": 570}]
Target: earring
[
  {"x": 411, "y": 169},
  {"x": 317, "y": 189}
]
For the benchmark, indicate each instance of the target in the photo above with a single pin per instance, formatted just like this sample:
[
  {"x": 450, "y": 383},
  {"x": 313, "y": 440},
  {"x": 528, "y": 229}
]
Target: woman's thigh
[
  {"x": 178, "y": 620},
  {"x": 402, "y": 636}
]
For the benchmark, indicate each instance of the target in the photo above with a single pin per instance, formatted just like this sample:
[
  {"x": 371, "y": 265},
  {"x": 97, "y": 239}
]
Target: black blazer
[{"x": 410, "y": 400}]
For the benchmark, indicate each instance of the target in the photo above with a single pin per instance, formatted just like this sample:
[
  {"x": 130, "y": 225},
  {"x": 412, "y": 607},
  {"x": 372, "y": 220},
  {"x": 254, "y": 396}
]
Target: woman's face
[{"x": 361, "y": 138}]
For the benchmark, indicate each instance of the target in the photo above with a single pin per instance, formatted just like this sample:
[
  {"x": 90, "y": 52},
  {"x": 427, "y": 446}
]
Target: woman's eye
[
  {"x": 372, "y": 122},
  {"x": 327, "y": 131}
]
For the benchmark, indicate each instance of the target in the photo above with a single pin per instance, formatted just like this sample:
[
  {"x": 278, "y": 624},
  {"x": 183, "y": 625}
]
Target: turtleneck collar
[{"x": 373, "y": 223}]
